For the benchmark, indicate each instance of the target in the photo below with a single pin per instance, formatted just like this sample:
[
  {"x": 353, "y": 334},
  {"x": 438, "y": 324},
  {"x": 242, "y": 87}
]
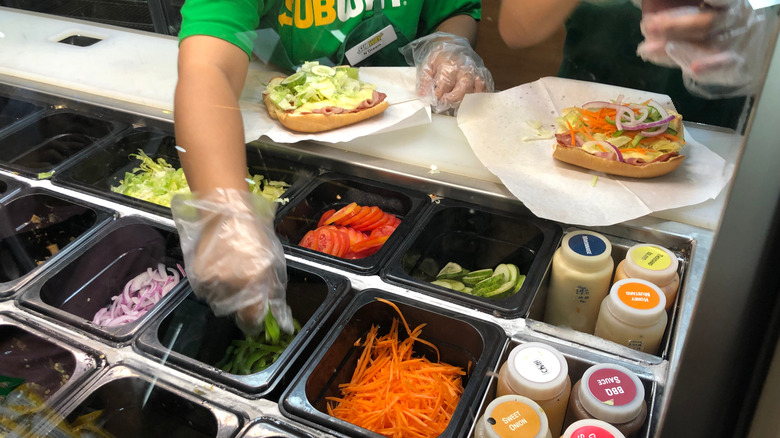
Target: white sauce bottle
[
  {"x": 579, "y": 280},
  {"x": 653, "y": 263},
  {"x": 541, "y": 373},
  {"x": 634, "y": 315}
]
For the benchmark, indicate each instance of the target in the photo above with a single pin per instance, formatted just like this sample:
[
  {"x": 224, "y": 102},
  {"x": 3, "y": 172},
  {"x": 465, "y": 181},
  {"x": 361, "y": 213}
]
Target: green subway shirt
[{"x": 314, "y": 29}]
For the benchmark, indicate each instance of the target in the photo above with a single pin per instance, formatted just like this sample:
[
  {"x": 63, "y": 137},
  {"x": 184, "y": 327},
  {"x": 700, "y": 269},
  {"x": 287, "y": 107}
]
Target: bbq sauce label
[{"x": 612, "y": 387}]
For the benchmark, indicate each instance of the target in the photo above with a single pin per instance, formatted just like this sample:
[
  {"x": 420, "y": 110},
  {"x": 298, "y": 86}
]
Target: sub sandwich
[
  {"x": 319, "y": 98},
  {"x": 639, "y": 140}
]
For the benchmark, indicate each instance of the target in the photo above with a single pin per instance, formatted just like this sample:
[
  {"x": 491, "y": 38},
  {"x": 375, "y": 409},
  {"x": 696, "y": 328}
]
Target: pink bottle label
[
  {"x": 591, "y": 432},
  {"x": 612, "y": 387}
]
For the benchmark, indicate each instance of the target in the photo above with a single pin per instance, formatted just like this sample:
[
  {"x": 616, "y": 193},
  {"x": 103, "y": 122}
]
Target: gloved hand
[
  {"x": 232, "y": 256},
  {"x": 447, "y": 69},
  {"x": 720, "y": 47}
]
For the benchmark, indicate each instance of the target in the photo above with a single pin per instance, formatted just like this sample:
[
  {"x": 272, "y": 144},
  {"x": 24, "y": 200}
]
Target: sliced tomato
[
  {"x": 344, "y": 212},
  {"x": 371, "y": 242},
  {"x": 325, "y": 240},
  {"x": 384, "y": 230},
  {"x": 386, "y": 219},
  {"x": 364, "y": 211},
  {"x": 354, "y": 235},
  {"x": 325, "y": 217},
  {"x": 308, "y": 240},
  {"x": 397, "y": 221},
  {"x": 346, "y": 244},
  {"x": 375, "y": 215}
]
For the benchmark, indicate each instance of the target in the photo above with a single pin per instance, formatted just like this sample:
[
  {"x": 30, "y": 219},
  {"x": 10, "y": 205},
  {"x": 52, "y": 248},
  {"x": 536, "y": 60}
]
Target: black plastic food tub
[
  {"x": 78, "y": 288},
  {"x": 129, "y": 403},
  {"x": 476, "y": 238},
  {"x": 47, "y": 368},
  {"x": 104, "y": 168},
  {"x": 45, "y": 144},
  {"x": 14, "y": 111},
  {"x": 195, "y": 340},
  {"x": 334, "y": 191},
  {"x": 38, "y": 228},
  {"x": 472, "y": 344}
]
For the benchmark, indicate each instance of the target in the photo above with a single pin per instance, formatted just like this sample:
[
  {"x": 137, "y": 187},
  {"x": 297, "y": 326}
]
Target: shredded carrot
[{"x": 395, "y": 394}]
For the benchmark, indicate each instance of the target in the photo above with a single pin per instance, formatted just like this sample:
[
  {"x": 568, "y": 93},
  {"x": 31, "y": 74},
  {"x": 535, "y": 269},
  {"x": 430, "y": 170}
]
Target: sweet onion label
[
  {"x": 612, "y": 387},
  {"x": 639, "y": 296},
  {"x": 516, "y": 419},
  {"x": 537, "y": 364},
  {"x": 587, "y": 245},
  {"x": 591, "y": 432},
  {"x": 651, "y": 257}
]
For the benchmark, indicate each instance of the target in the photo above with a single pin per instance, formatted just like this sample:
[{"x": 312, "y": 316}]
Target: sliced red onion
[
  {"x": 606, "y": 143},
  {"x": 620, "y": 111},
  {"x": 138, "y": 296}
]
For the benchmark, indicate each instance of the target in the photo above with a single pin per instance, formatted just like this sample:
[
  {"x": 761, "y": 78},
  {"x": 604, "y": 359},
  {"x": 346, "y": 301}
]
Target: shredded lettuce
[
  {"x": 314, "y": 85},
  {"x": 158, "y": 181}
]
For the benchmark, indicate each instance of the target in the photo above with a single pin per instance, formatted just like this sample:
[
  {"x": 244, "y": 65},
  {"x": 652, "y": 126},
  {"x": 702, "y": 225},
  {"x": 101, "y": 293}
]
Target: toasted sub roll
[
  {"x": 578, "y": 157},
  {"x": 310, "y": 122}
]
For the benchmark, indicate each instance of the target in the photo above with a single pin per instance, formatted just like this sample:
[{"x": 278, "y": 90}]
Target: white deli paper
[
  {"x": 398, "y": 83},
  {"x": 504, "y": 133}
]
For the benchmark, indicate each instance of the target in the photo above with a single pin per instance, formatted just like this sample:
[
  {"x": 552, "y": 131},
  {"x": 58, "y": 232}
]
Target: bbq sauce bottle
[{"x": 610, "y": 393}]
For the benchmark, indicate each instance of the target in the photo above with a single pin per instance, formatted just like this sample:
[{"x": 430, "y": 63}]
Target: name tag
[{"x": 371, "y": 45}]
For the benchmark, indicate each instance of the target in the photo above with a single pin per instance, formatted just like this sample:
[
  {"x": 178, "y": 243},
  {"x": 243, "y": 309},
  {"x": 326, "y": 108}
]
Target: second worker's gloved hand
[
  {"x": 720, "y": 46},
  {"x": 232, "y": 256},
  {"x": 447, "y": 69}
]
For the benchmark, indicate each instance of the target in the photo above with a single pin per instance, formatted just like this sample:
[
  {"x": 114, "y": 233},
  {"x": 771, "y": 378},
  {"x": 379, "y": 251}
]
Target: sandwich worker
[
  {"x": 234, "y": 259},
  {"x": 707, "y": 57}
]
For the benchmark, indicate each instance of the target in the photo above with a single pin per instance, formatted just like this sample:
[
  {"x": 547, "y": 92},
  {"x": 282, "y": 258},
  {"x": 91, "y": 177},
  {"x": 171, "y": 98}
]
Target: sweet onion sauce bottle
[
  {"x": 513, "y": 416},
  {"x": 541, "y": 373}
]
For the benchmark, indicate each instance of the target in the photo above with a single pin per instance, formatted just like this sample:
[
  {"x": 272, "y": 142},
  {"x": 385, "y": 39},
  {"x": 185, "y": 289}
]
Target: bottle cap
[
  {"x": 586, "y": 250},
  {"x": 514, "y": 416},
  {"x": 636, "y": 302},
  {"x": 653, "y": 263},
  {"x": 536, "y": 370},
  {"x": 611, "y": 393},
  {"x": 592, "y": 428}
]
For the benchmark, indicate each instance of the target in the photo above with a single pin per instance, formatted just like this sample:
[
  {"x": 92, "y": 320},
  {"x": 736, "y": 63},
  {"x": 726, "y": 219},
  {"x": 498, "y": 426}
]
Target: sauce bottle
[
  {"x": 592, "y": 429},
  {"x": 512, "y": 416},
  {"x": 634, "y": 315},
  {"x": 539, "y": 372},
  {"x": 610, "y": 393},
  {"x": 653, "y": 263},
  {"x": 579, "y": 280}
]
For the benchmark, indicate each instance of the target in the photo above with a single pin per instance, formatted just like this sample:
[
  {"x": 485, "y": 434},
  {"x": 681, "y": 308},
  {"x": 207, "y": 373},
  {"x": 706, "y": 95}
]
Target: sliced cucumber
[
  {"x": 450, "y": 284},
  {"x": 451, "y": 270},
  {"x": 505, "y": 288},
  {"x": 474, "y": 277},
  {"x": 519, "y": 283},
  {"x": 488, "y": 285},
  {"x": 294, "y": 79},
  {"x": 323, "y": 70}
]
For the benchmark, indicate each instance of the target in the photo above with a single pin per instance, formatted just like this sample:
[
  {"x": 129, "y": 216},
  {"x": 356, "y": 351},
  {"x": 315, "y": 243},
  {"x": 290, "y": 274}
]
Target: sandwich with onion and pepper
[
  {"x": 319, "y": 98},
  {"x": 640, "y": 140}
]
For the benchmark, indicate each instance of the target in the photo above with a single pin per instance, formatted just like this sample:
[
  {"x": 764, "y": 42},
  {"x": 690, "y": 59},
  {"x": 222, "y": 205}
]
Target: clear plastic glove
[
  {"x": 233, "y": 258},
  {"x": 720, "y": 46},
  {"x": 447, "y": 69}
]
